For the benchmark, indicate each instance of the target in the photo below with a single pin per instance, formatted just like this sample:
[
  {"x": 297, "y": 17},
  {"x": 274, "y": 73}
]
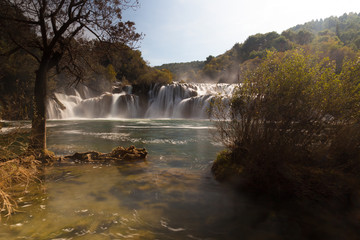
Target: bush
[{"x": 286, "y": 126}]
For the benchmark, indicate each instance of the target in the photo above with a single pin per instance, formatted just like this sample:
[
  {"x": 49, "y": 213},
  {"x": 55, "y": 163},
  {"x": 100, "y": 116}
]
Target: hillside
[
  {"x": 333, "y": 37},
  {"x": 185, "y": 70}
]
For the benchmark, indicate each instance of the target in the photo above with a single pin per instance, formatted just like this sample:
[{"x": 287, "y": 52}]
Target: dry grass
[
  {"x": 15, "y": 167},
  {"x": 16, "y": 171}
]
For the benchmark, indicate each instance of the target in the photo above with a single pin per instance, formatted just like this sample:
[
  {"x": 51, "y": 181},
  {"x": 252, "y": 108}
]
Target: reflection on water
[{"x": 172, "y": 195}]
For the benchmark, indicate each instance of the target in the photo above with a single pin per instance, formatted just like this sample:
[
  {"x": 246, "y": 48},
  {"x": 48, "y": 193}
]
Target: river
[{"x": 171, "y": 195}]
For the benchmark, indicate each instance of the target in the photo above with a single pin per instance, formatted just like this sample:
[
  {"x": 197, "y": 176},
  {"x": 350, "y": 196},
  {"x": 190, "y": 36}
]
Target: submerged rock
[{"x": 117, "y": 154}]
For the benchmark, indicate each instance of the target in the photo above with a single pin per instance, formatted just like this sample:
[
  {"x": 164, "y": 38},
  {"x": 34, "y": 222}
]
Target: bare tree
[{"x": 56, "y": 25}]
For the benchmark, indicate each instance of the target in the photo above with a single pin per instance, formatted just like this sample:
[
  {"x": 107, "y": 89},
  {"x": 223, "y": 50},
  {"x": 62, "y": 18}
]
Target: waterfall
[
  {"x": 177, "y": 100},
  {"x": 125, "y": 105}
]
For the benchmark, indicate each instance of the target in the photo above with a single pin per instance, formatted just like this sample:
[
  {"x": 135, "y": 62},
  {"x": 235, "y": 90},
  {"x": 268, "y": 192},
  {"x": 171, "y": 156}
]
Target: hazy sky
[{"x": 189, "y": 30}]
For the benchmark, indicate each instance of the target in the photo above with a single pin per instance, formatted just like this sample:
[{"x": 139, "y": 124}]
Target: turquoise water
[{"x": 171, "y": 195}]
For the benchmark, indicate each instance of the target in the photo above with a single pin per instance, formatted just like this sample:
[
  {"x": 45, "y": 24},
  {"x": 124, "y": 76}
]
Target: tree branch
[{"x": 53, "y": 14}]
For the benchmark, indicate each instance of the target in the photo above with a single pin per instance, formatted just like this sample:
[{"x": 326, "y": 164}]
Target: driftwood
[{"x": 117, "y": 154}]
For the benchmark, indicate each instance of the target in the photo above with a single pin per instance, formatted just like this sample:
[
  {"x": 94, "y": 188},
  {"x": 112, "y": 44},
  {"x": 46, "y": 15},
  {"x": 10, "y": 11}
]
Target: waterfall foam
[{"x": 177, "y": 100}]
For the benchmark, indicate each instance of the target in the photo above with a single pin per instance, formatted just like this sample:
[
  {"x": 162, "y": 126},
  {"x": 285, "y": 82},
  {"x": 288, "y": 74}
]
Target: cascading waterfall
[{"x": 177, "y": 100}]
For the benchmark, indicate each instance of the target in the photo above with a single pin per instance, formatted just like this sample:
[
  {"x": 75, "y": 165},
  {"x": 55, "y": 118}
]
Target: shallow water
[{"x": 171, "y": 195}]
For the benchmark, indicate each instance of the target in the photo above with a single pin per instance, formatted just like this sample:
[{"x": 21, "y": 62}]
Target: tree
[{"x": 58, "y": 24}]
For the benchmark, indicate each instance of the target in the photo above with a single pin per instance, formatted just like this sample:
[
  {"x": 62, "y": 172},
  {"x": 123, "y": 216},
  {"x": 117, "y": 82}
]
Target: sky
[{"x": 191, "y": 30}]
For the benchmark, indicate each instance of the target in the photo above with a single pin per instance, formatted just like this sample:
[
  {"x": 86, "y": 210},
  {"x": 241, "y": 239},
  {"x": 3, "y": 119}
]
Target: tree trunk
[{"x": 38, "y": 129}]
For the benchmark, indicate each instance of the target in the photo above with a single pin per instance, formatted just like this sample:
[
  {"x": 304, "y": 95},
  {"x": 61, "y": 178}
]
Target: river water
[{"x": 171, "y": 195}]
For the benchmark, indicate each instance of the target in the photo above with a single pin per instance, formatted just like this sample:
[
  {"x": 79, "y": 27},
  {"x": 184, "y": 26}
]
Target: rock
[
  {"x": 117, "y": 154},
  {"x": 129, "y": 153},
  {"x": 87, "y": 156},
  {"x": 117, "y": 90}
]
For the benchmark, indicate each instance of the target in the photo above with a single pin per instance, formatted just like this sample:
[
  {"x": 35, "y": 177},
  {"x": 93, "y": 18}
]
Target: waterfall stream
[{"x": 177, "y": 100}]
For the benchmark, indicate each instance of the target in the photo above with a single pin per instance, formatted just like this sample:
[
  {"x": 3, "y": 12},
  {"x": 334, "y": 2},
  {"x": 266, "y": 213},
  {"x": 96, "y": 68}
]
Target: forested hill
[
  {"x": 346, "y": 28},
  {"x": 333, "y": 37}
]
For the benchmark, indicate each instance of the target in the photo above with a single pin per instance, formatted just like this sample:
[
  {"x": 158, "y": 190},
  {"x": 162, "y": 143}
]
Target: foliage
[
  {"x": 128, "y": 63},
  {"x": 163, "y": 76},
  {"x": 285, "y": 122},
  {"x": 346, "y": 27},
  {"x": 262, "y": 42}
]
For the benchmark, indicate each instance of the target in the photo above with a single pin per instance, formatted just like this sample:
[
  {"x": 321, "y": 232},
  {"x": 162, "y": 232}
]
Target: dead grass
[
  {"x": 16, "y": 168},
  {"x": 17, "y": 171}
]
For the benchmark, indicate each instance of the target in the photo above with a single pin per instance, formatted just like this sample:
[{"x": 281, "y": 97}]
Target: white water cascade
[{"x": 178, "y": 100}]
